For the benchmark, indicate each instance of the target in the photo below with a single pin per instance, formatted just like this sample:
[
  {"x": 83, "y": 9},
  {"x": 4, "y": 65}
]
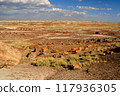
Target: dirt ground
[
  {"x": 25, "y": 71},
  {"x": 101, "y": 71},
  {"x": 66, "y": 35}
]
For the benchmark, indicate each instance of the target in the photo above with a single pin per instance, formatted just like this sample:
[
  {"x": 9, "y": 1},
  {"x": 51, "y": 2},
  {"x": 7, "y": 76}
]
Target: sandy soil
[{"x": 25, "y": 71}]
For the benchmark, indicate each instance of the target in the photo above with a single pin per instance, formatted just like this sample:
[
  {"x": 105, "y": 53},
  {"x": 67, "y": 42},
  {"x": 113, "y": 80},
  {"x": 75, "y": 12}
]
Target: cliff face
[{"x": 9, "y": 56}]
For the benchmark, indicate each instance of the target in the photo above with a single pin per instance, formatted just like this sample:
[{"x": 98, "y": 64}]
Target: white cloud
[
  {"x": 34, "y": 7},
  {"x": 44, "y": 11},
  {"x": 26, "y": 3},
  {"x": 88, "y": 8},
  {"x": 92, "y": 8},
  {"x": 63, "y": 11}
]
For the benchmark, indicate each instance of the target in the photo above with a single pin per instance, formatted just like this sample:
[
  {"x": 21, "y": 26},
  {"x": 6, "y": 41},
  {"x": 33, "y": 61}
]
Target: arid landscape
[{"x": 59, "y": 50}]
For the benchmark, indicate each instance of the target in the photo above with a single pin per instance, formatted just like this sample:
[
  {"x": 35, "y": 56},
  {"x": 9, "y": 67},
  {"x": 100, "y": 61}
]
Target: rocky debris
[
  {"x": 86, "y": 49},
  {"x": 54, "y": 56},
  {"x": 54, "y": 51},
  {"x": 75, "y": 50},
  {"x": 49, "y": 43},
  {"x": 98, "y": 49},
  {"x": 88, "y": 46},
  {"x": 9, "y": 56},
  {"x": 40, "y": 53},
  {"x": 102, "y": 53},
  {"x": 111, "y": 52},
  {"x": 36, "y": 51},
  {"x": 73, "y": 67},
  {"x": 53, "y": 42},
  {"x": 65, "y": 53},
  {"x": 76, "y": 67},
  {"x": 107, "y": 44},
  {"x": 44, "y": 49},
  {"x": 95, "y": 40},
  {"x": 57, "y": 56}
]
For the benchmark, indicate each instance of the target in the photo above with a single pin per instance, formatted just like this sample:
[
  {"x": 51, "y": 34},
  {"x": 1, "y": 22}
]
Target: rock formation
[{"x": 9, "y": 56}]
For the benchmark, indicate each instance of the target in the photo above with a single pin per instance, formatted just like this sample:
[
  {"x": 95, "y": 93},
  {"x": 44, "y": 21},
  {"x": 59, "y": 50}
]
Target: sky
[{"x": 75, "y": 10}]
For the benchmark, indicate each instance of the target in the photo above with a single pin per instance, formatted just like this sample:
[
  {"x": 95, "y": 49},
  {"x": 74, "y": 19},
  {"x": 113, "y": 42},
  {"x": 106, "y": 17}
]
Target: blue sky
[{"x": 78, "y": 10}]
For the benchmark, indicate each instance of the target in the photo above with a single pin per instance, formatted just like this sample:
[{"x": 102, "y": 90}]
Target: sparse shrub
[
  {"x": 73, "y": 62},
  {"x": 53, "y": 65},
  {"x": 86, "y": 53},
  {"x": 61, "y": 62},
  {"x": 93, "y": 53},
  {"x": 99, "y": 53},
  {"x": 74, "y": 57},
  {"x": 50, "y": 61},
  {"x": 83, "y": 64},
  {"x": 80, "y": 64},
  {"x": 43, "y": 63},
  {"x": 96, "y": 57},
  {"x": 117, "y": 44}
]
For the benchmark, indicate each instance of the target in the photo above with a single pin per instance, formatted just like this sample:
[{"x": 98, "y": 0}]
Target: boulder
[
  {"x": 9, "y": 56},
  {"x": 73, "y": 67},
  {"x": 76, "y": 67}
]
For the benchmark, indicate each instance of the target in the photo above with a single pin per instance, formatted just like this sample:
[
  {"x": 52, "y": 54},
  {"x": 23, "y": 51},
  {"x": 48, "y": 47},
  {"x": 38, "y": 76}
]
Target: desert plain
[{"x": 62, "y": 50}]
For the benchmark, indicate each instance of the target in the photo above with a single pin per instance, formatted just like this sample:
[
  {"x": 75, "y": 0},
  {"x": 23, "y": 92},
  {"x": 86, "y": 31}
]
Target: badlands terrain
[{"x": 62, "y": 50}]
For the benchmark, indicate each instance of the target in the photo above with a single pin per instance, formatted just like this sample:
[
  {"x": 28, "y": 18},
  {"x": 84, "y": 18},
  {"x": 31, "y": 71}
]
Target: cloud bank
[
  {"x": 44, "y": 10},
  {"x": 34, "y": 7},
  {"x": 92, "y": 8},
  {"x": 26, "y": 3}
]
